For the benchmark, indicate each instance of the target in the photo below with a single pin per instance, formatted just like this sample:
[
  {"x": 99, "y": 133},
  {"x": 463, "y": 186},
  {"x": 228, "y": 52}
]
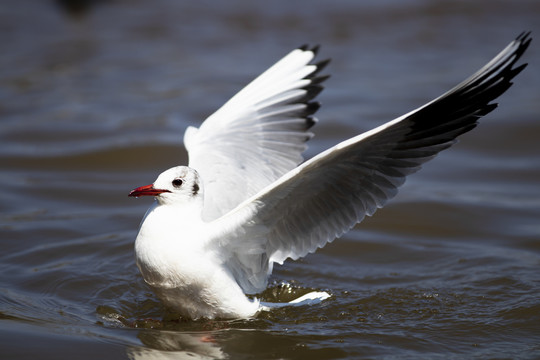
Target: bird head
[{"x": 176, "y": 185}]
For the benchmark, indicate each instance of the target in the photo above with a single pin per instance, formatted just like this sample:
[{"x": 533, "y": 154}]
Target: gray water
[{"x": 94, "y": 102}]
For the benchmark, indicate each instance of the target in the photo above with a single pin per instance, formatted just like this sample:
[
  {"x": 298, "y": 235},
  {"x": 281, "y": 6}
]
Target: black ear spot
[
  {"x": 195, "y": 189},
  {"x": 177, "y": 183}
]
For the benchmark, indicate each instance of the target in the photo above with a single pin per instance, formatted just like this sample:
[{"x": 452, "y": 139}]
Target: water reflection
[{"x": 176, "y": 345}]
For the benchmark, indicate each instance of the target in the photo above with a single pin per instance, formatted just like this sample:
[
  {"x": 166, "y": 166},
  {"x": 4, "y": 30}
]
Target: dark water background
[{"x": 94, "y": 102}]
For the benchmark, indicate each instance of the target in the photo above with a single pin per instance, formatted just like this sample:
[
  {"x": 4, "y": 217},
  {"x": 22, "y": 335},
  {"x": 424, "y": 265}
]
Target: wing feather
[
  {"x": 327, "y": 195},
  {"x": 258, "y": 135}
]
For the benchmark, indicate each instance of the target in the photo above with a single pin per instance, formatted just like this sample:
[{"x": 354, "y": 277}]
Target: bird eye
[{"x": 177, "y": 182}]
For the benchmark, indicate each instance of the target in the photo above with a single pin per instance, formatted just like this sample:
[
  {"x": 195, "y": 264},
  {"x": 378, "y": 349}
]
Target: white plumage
[{"x": 244, "y": 202}]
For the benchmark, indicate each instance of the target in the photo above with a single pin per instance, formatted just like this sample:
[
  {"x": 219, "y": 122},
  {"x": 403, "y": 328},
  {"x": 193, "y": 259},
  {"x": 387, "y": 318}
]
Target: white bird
[{"x": 244, "y": 203}]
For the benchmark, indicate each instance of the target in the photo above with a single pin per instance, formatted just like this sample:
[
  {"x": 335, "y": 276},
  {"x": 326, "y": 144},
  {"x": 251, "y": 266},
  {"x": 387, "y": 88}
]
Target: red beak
[{"x": 147, "y": 190}]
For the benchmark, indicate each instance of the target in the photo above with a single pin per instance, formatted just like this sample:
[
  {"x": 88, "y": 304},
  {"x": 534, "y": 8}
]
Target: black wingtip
[
  {"x": 487, "y": 109},
  {"x": 517, "y": 70},
  {"x": 315, "y": 49},
  {"x": 319, "y": 79},
  {"x": 306, "y": 47},
  {"x": 312, "y": 107},
  {"x": 310, "y": 121},
  {"x": 313, "y": 90},
  {"x": 524, "y": 40},
  {"x": 320, "y": 66},
  {"x": 524, "y": 36}
]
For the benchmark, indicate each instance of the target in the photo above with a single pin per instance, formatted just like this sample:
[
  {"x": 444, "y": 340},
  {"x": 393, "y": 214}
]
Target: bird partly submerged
[{"x": 247, "y": 201}]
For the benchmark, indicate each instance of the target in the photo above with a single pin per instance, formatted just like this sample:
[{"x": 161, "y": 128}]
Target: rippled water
[{"x": 93, "y": 102}]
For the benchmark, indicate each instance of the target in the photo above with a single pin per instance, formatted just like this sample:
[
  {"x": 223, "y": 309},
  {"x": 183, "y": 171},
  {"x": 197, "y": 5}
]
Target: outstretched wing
[
  {"x": 258, "y": 135},
  {"x": 327, "y": 195}
]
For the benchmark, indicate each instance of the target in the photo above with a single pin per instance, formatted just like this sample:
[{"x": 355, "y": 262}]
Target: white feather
[{"x": 202, "y": 253}]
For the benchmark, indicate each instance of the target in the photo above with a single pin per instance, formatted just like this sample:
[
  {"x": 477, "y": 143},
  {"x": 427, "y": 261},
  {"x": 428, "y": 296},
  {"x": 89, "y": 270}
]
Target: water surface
[{"x": 94, "y": 102}]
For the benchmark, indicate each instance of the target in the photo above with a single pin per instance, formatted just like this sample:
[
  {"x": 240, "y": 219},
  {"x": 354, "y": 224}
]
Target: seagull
[{"x": 248, "y": 200}]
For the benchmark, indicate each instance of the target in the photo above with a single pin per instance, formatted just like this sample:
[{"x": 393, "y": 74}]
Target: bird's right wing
[{"x": 327, "y": 195}]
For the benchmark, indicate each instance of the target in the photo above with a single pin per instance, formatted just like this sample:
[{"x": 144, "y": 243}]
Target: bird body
[
  {"x": 247, "y": 201},
  {"x": 173, "y": 254}
]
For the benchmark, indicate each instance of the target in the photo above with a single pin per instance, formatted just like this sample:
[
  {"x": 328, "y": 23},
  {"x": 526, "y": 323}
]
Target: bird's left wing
[
  {"x": 258, "y": 135},
  {"x": 327, "y": 195}
]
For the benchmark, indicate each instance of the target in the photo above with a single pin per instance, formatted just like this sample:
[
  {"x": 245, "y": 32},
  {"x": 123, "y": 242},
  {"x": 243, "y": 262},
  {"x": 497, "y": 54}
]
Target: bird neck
[
  {"x": 189, "y": 212},
  {"x": 163, "y": 223}
]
